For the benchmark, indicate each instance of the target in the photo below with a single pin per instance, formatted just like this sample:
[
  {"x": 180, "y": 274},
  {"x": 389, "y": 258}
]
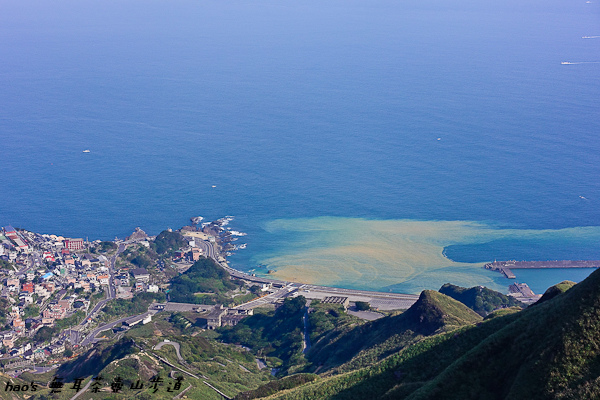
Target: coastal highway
[
  {"x": 111, "y": 271},
  {"x": 207, "y": 248},
  {"x": 340, "y": 291},
  {"x": 268, "y": 299},
  {"x": 379, "y": 300}
]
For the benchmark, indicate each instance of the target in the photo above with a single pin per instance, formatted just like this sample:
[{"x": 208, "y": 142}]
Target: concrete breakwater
[{"x": 504, "y": 267}]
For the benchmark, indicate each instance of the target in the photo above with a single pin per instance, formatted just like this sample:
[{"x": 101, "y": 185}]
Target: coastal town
[
  {"x": 55, "y": 288},
  {"x": 51, "y": 281}
]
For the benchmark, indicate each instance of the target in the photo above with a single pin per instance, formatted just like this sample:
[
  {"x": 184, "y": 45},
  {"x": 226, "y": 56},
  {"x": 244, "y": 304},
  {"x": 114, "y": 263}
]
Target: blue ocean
[{"x": 384, "y": 145}]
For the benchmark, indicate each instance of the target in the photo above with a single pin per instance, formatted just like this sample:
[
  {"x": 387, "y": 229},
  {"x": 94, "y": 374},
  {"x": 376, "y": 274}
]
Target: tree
[
  {"x": 105, "y": 246},
  {"x": 44, "y": 334},
  {"x": 362, "y": 306},
  {"x": 168, "y": 241},
  {"x": 68, "y": 353},
  {"x": 31, "y": 311},
  {"x": 141, "y": 261},
  {"x": 255, "y": 289},
  {"x": 204, "y": 276}
]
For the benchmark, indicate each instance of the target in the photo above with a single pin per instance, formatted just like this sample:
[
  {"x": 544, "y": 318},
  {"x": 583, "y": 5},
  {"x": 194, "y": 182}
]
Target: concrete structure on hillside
[
  {"x": 226, "y": 316},
  {"x": 343, "y": 301},
  {"x": 124, "y": 292},
  {"x": 144, "y": 319},
  {"x": 523, "y": 293}
]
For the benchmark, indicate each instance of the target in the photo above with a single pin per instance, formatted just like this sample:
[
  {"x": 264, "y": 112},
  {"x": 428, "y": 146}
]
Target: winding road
[
  {"x": 77, "y": 338},
  {"x": 174, "y": 344}
]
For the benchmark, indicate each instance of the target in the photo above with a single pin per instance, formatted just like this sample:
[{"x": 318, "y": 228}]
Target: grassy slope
[
  {"x": 545, "y": 352},
  {"x": 555, "y": 290},
  {"x": 403, "y": 371},
  {"x": 12, "y": 395},
  {"x": 228, "y": 368},
  {"x": 480, "y": 299},
  {"x": 550, "y": 351},
  {"x": 272, "y": 387},
  {"x": 368, "y": 343}
]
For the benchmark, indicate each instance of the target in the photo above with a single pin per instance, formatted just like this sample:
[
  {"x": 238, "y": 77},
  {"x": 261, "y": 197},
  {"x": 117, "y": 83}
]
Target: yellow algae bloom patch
[
  {"x": 376, "y": 254},
  {"x": 370, "y": 253}
]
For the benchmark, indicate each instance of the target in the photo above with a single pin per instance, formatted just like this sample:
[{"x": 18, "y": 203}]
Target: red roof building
[{"x": 27, "y": 287}]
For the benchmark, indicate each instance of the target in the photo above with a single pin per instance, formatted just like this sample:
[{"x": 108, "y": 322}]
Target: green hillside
[
  {"x": 399, "y": 374},
  {"x": 168, "y": 241},
  {"x": 93, "y": 361},
  {"x": 276, "y": 335},
  {"x": 272, "y": 387},
  {"x": 550, "y": 351},
  {"x": 435, "y": 311},
  {"x": 480, "y": 299},
  {"x": 555, "y": 290},
  {"x": 204, "y": 277},
  {"x": 137, "y": 357},
  {"x": 368, "y": 343}
]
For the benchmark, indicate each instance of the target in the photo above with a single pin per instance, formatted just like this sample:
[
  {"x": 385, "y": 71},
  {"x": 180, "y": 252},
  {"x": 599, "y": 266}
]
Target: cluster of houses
[
  {"x": 141, "y": 277},
  {"x": 56, "y": 274},
  {"x": 28, "y": 352},
  {"x": 39, "y": 272},
  {"x": 190, "y": 254},
  {"x": 43, "y": 269}
]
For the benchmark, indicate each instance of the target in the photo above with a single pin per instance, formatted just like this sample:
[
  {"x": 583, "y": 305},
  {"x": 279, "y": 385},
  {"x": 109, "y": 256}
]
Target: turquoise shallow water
[
  {"x": 540, "y": 279},
  {"x": 437, "y": 111}
]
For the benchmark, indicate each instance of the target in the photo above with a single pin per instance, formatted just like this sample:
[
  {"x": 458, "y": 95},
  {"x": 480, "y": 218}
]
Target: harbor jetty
[{"x": 504, "y": 267}]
